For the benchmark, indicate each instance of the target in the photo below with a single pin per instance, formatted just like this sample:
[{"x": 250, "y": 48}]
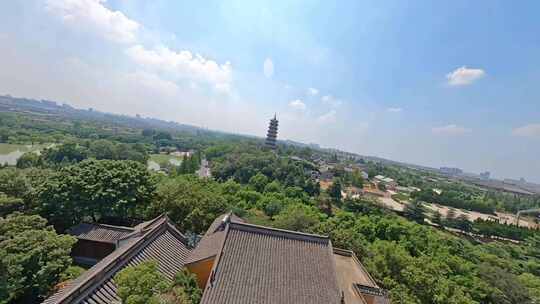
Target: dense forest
[{"x": 96, "y": 172}]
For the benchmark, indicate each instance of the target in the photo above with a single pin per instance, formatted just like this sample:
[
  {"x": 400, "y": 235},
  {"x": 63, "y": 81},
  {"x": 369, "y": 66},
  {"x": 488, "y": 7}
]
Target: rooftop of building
[
  {"x": 293, "y": 267},
  {"x": 100, "y": 232},
  {"x": 156, "y": 240},
  {"x": 248, "y": 262}
]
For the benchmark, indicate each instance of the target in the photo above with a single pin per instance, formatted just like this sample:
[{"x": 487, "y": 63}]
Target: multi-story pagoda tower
[{"x": 271, "y": 136}]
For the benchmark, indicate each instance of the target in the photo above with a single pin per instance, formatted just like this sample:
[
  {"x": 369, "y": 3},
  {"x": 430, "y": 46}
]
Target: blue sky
[{"x": 429, "y": 82}]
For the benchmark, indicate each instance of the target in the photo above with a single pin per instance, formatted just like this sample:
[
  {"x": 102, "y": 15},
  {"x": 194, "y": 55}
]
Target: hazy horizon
[{"x": 434, "y": 84}]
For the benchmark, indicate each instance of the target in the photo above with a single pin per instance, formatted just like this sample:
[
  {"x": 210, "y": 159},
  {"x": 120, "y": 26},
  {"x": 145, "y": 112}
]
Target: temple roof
[
  {"x": 210, "y": 244},
  {"x": 155, "y": 240},
  {"x": 100, "y": 232},
  {"x": 251, "y": 263},
  {"x": 272, "y": 266}
]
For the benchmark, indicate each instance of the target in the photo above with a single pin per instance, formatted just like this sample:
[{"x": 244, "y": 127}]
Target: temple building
[
  {"x": 271, "y": 136},
  {"x": 235, "y": 262}
]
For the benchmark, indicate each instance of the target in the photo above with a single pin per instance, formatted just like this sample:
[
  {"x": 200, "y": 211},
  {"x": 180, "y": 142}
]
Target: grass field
[{"x": 164, "y": 158}]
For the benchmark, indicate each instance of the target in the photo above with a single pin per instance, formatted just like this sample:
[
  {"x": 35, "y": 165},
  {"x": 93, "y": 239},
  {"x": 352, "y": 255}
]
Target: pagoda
[{"x": 271, "y": 136}]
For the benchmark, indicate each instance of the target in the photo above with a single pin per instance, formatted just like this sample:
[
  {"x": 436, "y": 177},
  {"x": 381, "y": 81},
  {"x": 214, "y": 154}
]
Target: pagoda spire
[{"x": 271, "y": 136}]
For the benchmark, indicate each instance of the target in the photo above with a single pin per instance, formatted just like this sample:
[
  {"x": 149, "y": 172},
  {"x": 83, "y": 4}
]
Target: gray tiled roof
[
  {"x": 210, "y": 244},
  {"x": 264, "y": 265},
  {"x": 159, "y": 240},
  {"x": 100, "y": 232}
]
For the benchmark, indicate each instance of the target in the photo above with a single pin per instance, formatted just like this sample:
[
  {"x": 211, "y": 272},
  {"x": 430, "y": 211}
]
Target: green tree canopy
[
  {"x": 94, "y": 189},
  {"x": 335, "y": 190},
  {"x": 141, "y": 284},
  {"x": 28, "y": 160},
  {"x": 415, "y": 211},
  {"x": 298, "y": 217},
  {"x": 191, "y": 203},
  {"x": 32, "y": 257}
]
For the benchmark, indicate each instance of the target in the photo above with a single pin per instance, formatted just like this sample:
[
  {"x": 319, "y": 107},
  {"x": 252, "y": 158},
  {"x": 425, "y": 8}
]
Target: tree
[
  {"x": 10, "y": 204},
  {"x": 356, "y": 179},
  {"x": 462, "y": 222},
  {"x": 533, "y": 245},
  {"x": 66, "y": 153},
  {"x": 335, "y": 190},
  {"x": 297, "y": 217},
  {"x": 532, "y": 283},
  {"x": 437, "y": 218},
  {"x": 273, "y": 186},
  {"x": 28, "y": 160},
  {"x": 162, "y": 135},
  {"x": 103, "y": 149},
  {"x": 141, "y": 284},
  {"x": 258, "y": 182},
  {"x": 415, "y": 211},
  {"x": 324, "y": 202},
  {"x": 506, "y": 286},
  {"x": 190, "y": 202},
  {"x": 32, "y": 257},
  {"x": 185, "y": 282},
  {"x": 148, "y": 132},
  {"x": 71, "y": 273},
  {"x": 14, "y": 182},
  {"x": 95, "y": 189}
]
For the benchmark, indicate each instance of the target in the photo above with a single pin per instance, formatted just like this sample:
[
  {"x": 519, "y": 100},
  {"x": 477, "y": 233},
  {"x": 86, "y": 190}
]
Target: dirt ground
[{"x": 504, "y": 218}]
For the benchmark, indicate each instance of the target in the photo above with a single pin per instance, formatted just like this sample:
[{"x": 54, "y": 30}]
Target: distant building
[
  {"x": 407, "y": 189},
  {"x": 182, "y": 153},
  {"x": 387, "y": 181},
  {"x": 450, "y": 171},
  {"x": 313, "y": 174},
  {"x": 271, "y": 136},
  {"x": 364, "y": 174},
  {"x": 485, "y": 175},
  {"x": 327, "y": 175}
]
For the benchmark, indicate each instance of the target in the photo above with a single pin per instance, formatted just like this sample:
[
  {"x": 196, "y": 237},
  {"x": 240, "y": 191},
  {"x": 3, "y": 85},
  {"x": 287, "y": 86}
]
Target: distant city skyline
[{"x": 440, "y": 84}]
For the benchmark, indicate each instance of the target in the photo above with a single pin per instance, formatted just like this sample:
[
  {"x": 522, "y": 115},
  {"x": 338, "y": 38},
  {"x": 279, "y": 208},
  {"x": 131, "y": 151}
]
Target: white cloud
[
  {"x": 297, "y": 104},
  {"x": 450, "y": 130},
  {"x": 394, "y": 110},
  {"x": 331, "y": 101},
  {"x": 184, "y": 65},
  {"x": 531, "y": 130},
  {"x": 93, "y": 16},
  {"x": 312, "y": 91},
  {"x": 153, "y": 82},
  {"x": 327, "y": 117},
  {"x": 268, "y": 68},
  {"x": 464, "y": 76}
]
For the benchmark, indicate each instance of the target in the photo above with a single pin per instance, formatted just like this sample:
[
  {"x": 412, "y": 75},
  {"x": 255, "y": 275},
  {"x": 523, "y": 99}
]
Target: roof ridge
[
  {"x": 334, "y": 269},
  {"x": 283, "y": 232},
  {"x": 144, "y": 227},
  {"x": 106, "y": 265},
  {"x": 111, "y": 226},
  {"x": 216, "y": 263}
]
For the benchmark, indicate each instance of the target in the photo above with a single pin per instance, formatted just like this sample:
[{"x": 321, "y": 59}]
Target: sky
[{"x": 436, "y": 83}]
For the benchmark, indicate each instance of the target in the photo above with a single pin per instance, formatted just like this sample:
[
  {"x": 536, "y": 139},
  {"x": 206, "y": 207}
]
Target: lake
[{"x": 9, "y": 153}]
